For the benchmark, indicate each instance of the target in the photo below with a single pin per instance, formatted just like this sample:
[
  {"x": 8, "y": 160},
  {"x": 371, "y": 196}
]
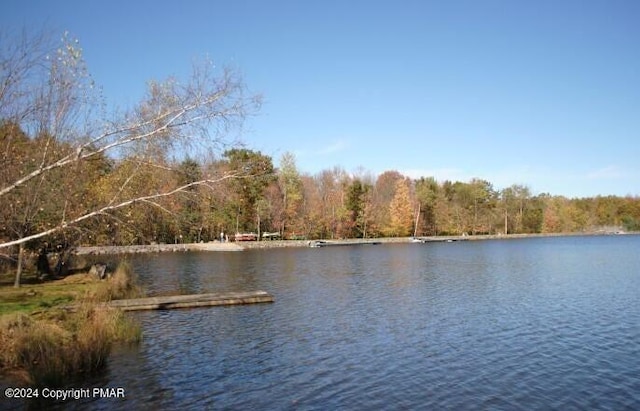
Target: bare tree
[{"x": 47, "y": 91}]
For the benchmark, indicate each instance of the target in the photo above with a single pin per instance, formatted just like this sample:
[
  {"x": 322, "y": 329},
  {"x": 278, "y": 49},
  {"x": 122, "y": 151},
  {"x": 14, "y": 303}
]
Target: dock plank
[{"x": 192, "y": 301}]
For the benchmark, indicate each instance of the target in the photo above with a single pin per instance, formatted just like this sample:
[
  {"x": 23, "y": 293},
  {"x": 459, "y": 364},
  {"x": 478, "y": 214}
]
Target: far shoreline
[{"x": 271, "y": 244}]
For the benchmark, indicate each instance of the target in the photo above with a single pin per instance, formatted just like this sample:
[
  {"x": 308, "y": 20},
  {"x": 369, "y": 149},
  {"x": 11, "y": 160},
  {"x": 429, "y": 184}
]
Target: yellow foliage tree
[{"x": 401, "y": 211}]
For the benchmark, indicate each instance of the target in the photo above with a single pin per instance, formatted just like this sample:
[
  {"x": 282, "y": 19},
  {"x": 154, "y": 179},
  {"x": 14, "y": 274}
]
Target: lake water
[{"x": 531, "y": 324}]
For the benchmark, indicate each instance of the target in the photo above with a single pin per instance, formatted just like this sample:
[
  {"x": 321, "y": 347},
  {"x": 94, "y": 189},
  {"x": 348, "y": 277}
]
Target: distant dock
[
  {"x": 449, "y": 239},
  {"x": 324, "y": 243},
  {"x": 192, "y": 301}
]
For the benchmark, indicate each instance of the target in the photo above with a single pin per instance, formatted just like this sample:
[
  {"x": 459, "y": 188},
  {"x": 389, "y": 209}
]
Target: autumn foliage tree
[
  {"x": 384, "y": 191},
  {"x": 254, "y": 172},
  {"x": 291, "y": 189},
  {"x": 429, "y": 197},
  {"x": 401, "y": 210}
]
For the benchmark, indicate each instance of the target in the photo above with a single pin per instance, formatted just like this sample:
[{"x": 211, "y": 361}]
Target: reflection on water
[{"x": 520, "y": 324}]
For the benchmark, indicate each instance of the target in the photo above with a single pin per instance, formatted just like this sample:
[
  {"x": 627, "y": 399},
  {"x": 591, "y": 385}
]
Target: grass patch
[
  {"x": 56, "y": 331},
  {"x": 35, "y": 297}
]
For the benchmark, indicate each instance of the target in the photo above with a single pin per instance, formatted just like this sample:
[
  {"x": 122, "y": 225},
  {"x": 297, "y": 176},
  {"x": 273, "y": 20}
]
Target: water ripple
[{"x": 503, "y": 325}]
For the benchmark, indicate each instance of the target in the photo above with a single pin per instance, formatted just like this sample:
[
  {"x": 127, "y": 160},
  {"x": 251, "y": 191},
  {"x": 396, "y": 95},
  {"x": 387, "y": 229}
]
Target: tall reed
[{"x": 121, "y": 284}]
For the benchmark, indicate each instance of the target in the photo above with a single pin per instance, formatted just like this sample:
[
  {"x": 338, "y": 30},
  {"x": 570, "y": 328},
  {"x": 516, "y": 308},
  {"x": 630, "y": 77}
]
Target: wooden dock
[
  {"x": 325, "y": 243},
  {"x": 192, "y": 300},
  {"x": 447, "y": 239}
]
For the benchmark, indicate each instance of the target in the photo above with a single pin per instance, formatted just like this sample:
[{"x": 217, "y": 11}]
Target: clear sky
[{"x": 542, "y": 93}]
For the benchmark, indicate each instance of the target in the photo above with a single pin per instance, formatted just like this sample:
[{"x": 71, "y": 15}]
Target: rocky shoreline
[{"x": 157, "y": 248}]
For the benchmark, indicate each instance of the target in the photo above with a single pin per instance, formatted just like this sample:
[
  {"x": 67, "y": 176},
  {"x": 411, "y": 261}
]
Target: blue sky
[{"x": 541, "y": 93}]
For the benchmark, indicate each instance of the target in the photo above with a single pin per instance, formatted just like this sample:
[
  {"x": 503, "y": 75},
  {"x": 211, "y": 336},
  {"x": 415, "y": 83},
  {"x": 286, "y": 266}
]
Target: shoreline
[
  {"x": 156, "y": 248},
  {"x": 269, "y": 244}
]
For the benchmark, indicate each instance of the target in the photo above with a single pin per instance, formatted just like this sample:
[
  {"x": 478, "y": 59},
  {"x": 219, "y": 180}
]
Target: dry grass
[
  {"x": 49, "y": 346},
  {"x": 121, "y": 284}
]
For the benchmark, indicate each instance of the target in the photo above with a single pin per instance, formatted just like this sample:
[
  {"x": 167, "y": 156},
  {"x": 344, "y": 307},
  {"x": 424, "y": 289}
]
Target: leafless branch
[
  {"x": 112, "y": 207},
  {"x": 175, "y": 118}
]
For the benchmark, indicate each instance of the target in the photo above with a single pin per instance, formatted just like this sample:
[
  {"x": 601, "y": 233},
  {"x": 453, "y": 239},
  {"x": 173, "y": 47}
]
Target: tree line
[
  {"x": 336, "y": 204},
  {"x": 246, "y": 193}
]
